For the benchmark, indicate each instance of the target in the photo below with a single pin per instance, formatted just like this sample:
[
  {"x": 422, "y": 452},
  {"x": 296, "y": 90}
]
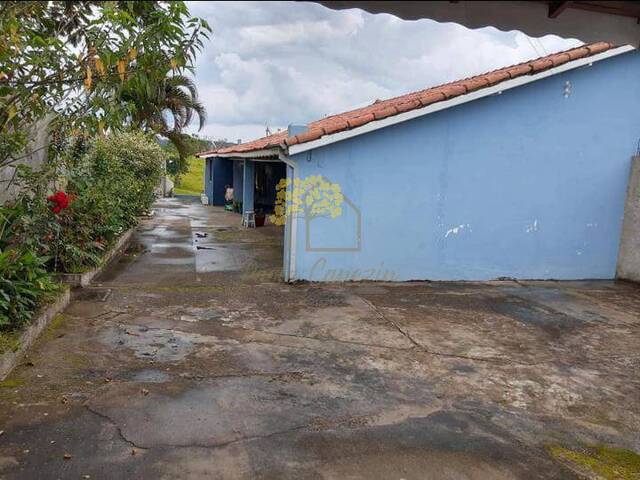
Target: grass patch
[
  {"x": 192, "y": 182},
  {"x": 606, "y": 462}
]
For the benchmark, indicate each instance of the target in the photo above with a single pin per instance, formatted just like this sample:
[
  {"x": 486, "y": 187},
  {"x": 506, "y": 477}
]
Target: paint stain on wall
[
  {"x": 458, "y": 229},
  {"x": 532, "y": 227}
]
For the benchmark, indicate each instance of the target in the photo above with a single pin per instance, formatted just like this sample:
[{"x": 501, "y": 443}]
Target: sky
[{"x": 280, "y": 63}]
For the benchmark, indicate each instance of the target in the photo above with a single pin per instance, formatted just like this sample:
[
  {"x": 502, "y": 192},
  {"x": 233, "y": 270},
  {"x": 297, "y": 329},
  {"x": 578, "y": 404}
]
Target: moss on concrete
[
  {"x": 56, "y": 323},
  {"x": 9, "y": 342},
  {"x": 11, "y": 383},
  {"x": 606, "y": 462},
  {"x": 78, "y": 361}
]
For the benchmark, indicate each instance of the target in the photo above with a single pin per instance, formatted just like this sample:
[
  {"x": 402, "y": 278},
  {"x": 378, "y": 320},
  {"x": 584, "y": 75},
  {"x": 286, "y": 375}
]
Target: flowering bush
[
  {"x": 23, "y": 284},
  {"x": 69, "y": 230},
  {"x": 59, "y": 201},
  {"x": 110, "y": 186},
  {"x": 24, "y": 279}
]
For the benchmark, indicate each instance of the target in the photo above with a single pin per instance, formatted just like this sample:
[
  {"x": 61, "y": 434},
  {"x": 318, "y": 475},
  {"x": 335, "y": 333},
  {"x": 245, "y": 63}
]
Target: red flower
[{"x": 60, "y": 201}]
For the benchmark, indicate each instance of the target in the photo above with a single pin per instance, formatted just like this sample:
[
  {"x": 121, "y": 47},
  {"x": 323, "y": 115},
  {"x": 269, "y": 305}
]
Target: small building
[{"x": 520, "y": 172}]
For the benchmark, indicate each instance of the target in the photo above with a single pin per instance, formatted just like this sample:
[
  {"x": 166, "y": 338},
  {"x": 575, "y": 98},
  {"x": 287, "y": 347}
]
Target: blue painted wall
[
  {"x": 208, "y": 178},
  {"x": 238, "y": 179},
  {"x": 218, "y": 174},
  {"x": 248, "y": 185},
  {"x": 526, "y": 184}
]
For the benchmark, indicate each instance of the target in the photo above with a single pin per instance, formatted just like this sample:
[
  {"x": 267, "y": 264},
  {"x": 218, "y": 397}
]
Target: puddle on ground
[
  {"x": 197, "y": 314},
  {"x": 217, "y": 258},
  {"x": 92, "y": 294},
  {"x": 159, "y": 344},
  {"x": 149, "y": 375},
  {"x": 539, "y": 316}
]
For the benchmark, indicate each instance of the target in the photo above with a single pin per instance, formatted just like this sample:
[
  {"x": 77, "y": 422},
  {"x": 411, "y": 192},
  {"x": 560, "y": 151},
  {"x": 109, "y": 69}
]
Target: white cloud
[{"x": 277, "y": 63}]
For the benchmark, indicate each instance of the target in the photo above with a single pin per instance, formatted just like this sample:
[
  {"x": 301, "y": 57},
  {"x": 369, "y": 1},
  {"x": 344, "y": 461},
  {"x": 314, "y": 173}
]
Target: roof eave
[
  {"x": 262, "y": 153},
  {"x": 444, "y": 104}
]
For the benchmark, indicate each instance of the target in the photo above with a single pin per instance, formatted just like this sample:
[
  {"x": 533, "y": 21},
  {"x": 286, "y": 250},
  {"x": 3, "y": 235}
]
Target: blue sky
[{"x": 276, "y": 63}]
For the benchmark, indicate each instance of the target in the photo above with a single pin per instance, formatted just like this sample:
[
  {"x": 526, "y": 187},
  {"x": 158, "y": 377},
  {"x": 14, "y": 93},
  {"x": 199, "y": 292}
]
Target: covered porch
[
  {"x": 253, "y": 179},
  {"x": 253, "y": 182}
]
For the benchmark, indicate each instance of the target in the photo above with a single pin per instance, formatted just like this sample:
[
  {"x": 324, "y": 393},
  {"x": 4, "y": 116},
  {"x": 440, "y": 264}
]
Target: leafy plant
[
  {"x": 178, "y": 162},
  {"x": 166, "y": 109},
  {"x": 113, "y": 184},
  {"x": 24, "y": 281},
  {"x": 107, "y": 189},
  {"x": 85, "y": 64}
]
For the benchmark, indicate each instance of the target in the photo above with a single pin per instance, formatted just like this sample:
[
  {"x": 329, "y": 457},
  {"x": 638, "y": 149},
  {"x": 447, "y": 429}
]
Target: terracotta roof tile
[
  {"x": 579, "y": 52},
  {"x": 542, "y": 64},
  {"x": 518, "y": 70},
  {"x": 385, "y": 112},
  {"x": 407, "y": 106},
  {"x": 427, "y": 98},
  {"x": 598, "y": 47},
  {"x": 412, "y": 101},
  {"x": 453, "y": 90}
]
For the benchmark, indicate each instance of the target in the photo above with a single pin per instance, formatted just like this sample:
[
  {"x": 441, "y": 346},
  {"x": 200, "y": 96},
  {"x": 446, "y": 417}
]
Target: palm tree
[{"x": 166, "y": 108}]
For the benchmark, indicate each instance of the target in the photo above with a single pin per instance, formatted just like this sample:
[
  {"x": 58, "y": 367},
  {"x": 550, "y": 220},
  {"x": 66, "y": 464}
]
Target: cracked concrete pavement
[{"x": 187, "y": 362}]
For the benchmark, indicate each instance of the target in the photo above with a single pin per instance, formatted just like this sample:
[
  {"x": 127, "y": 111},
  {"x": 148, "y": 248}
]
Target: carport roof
[{"x": 417, "y": 101}]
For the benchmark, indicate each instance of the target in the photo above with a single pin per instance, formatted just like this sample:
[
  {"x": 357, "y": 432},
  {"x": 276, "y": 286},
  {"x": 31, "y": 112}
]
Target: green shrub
[
  {"x": 24, "y": 282},
  {"x": 27, "y": 228},
  {"x": 126, "y": 166},
  {"x": 108, "y": 188},
  {"x": 112, "y": 185}
]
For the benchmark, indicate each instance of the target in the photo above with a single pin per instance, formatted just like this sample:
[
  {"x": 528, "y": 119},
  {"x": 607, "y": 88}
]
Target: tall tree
[
  {"x": 79, "y": 59},
  {"x": 167, "y": 108}
]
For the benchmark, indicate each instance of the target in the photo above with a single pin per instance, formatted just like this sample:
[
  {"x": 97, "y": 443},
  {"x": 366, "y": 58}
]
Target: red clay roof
[{"x": 412, "y": 101}]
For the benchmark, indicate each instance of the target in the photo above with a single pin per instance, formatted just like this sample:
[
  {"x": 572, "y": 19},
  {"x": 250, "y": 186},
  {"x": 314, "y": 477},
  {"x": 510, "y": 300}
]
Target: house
[
  {"x": 520, "y": 172},
  {"x": 215, "y": 191}
]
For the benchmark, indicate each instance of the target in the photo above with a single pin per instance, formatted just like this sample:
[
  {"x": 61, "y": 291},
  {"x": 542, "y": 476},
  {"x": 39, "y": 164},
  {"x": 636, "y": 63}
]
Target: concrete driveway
[{"x": 189, "y": 359}]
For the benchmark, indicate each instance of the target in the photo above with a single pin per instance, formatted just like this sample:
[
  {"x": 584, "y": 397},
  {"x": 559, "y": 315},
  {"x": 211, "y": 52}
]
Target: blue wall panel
[
  {"x": 525, "y": 184},
  {"x": 208, "y": 178},
  {"x": 222, "y": 176},
  {"x": 237, "y": 180}
]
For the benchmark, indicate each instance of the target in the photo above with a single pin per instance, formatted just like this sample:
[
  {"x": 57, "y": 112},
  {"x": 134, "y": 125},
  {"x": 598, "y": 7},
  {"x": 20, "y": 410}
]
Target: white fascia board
[
  {"x": 270, "y": 152},
  {"x": 442, "y": 105},
  {"x": 285, "y": 159}
]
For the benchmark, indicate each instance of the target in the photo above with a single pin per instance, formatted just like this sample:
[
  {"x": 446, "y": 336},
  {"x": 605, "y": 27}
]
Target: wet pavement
[{"x": 189, "y": 358}]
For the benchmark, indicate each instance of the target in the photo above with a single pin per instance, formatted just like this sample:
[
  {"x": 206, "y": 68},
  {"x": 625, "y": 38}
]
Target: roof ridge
[{"x": 358, "y": 117}]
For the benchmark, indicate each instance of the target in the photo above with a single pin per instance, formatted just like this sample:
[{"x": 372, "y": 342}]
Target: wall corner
[{"x": 628, "y": 266}]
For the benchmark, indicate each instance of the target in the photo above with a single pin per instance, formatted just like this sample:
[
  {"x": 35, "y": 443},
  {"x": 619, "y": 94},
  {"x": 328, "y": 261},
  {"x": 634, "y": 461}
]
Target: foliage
[
  {"x": 192, "y": 182},
  {"x": 167, "y": 108},
  {"x": 107, "y": 189},
  {"x": 312, "y": 196},
  {"x": 130, "y": 166},
  {"x": 24, "y": 280},
  {"x": 112, "y": 185},
  {"x": 91, "y": 63},
  {"x": 28, "y": 222},
  {"x": 177, "y": 163}
]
